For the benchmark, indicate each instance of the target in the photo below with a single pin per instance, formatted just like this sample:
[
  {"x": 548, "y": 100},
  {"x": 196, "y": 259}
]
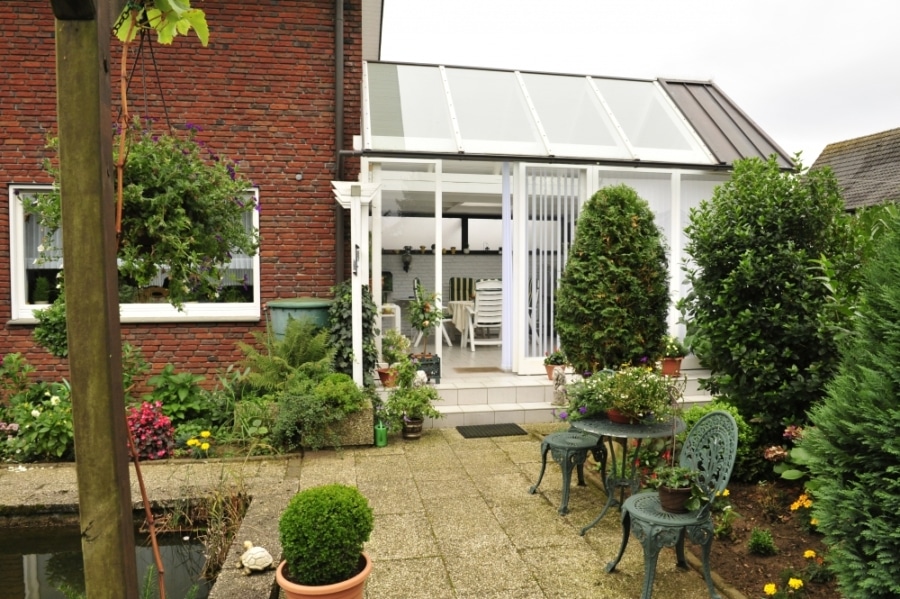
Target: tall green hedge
[
  {"x": 754, "y": 309},
  {"x": 613, "y": 296},
  {"x": 855, "y": 443}
]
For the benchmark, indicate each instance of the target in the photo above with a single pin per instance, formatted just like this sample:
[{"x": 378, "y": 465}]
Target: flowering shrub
[
  {"x": 151, "y": 430},
  {"x": 674, "y": 348},
  {"x": 41, "y": 417}
]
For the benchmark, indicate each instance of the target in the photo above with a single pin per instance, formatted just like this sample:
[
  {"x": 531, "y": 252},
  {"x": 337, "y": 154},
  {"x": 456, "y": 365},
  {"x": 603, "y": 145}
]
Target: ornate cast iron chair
[{"x": 710, "y": 448}]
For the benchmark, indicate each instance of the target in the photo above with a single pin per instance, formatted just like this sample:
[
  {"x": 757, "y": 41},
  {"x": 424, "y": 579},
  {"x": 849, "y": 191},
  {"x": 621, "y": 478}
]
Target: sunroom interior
[{"x": 480, "y": 174}]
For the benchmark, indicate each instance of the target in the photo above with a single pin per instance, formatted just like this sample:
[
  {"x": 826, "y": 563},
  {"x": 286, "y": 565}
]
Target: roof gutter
[{"x": 338, "y": 135}]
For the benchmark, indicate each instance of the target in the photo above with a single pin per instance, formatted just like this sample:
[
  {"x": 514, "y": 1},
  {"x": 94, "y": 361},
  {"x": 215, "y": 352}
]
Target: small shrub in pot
[{"x": 322, "y": 531}]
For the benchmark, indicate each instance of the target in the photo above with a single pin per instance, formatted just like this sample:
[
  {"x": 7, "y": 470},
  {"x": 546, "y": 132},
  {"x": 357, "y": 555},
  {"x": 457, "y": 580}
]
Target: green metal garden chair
[{"x": 710, "y": 449}]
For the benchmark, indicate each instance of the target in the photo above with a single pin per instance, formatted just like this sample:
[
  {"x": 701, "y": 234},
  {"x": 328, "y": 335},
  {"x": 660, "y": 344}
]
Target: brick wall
[{"x": 263, "y": 93}]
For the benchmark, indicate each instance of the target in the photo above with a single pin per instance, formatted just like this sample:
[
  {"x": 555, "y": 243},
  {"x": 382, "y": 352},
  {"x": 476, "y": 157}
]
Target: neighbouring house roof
[
  {"x": 460, "y": 112},
  {"x": 867, "y": 168}
]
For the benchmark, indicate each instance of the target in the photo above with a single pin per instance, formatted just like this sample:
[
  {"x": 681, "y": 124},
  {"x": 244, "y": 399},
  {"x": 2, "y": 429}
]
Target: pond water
[{"x": 45, "y": 563}]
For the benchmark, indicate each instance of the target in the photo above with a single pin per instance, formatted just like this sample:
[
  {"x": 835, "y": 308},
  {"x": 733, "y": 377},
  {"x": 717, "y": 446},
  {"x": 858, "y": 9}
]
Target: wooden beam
[{"x": 92, "y": 309}]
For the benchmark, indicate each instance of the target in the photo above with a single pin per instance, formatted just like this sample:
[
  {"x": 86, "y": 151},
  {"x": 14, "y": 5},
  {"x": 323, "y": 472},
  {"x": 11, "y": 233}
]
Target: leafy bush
[
  {"x": 613, "y": 296},
  {"x": 340, "y": 331},
  {"x": 753, "y": 312},
  {"x": 179, "y": 394},
  {"x": 748, "y": 464},
  {"x": 151, "y": 429},
  {"x": 322, "y": 532},
  {"x": 43, "y": 413},
  {"x": 852, "y": 450},
  {"x": 303, "y": 353},
  {"x": 761, "y": 542}
]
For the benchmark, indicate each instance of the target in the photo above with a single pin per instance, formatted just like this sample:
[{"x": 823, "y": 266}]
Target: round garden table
[{"x": 622, "y": 477}]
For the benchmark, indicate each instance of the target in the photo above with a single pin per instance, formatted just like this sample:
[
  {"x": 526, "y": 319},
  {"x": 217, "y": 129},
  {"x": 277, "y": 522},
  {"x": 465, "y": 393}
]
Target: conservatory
[{"x": 471, "y": 174}]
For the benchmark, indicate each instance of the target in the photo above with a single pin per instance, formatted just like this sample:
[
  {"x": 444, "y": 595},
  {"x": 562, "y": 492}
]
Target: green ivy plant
[
  {"x": 613, "y": 296},
  {"x": 340, "y": 327}
]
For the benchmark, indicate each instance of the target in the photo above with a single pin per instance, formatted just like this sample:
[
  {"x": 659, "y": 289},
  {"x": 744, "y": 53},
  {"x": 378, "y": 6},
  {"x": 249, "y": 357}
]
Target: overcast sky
[{"x": 809, "y": 72}]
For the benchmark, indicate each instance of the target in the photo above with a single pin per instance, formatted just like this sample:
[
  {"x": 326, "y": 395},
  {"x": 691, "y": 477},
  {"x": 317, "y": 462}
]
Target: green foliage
[
  {"x": 853, "y": 449},
  {"x": 44, "y": 415},
  {"x": 761, "y": 542},
  {"x": 50, "y": 332},
  {"x": 748, "y": 464},
  {"x": 613, "y": 296},
  {"x": 303, "y": 352},
  {"x": 179, "y": 393},
  {"x": 754, "y": 308},
  {"x": 425, "y": 314},
  {"x": 41, "y": 291},
  {"x": 637, "y": 392},
  {"x": 167, "y": 18},
  {"x": 340, "y": 327},
  {"x": 555, "y": 358},
  {"x": 322, "y": 532},
  {"x": 14, "y": 375},
  {"x": 410, "y": 398},
  {"x": 394, "y": 346},
  {"x": 133, "y": 366},
  {"x": 182, "y": 214}
]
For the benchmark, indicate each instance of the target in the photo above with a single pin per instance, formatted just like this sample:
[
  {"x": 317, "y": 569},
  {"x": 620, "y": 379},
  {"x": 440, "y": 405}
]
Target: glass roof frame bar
[
  {"x": 534, "y": 114},
  {"x": 450, "y": 106},
  {"x": 686, "y": 124},
  {"x": 366, "y": 111},
  {"x": 612, "y": 117}
]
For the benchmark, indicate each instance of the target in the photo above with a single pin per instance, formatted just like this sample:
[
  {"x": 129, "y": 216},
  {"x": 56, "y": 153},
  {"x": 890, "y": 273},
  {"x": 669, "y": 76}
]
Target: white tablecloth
[{"x": 460, "y": 315}]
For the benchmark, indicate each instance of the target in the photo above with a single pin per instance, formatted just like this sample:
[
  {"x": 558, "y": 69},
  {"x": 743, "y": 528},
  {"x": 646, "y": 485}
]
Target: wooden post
[{"x": 83, "y": 33}]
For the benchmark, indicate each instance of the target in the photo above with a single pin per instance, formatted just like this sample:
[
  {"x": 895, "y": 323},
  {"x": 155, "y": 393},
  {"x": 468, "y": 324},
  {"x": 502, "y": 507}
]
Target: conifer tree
[
  {"x": 613, "y": 296},
  {"x": 854, "y": 446}
]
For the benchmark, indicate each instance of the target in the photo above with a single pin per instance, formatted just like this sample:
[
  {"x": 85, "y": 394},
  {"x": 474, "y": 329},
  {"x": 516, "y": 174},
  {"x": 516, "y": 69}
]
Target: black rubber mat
[{"x": 476, "y": 431}]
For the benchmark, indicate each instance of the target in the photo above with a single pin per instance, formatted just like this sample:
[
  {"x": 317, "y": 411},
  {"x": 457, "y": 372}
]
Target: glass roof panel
[
  {"x": 408, "y": 109},
  {"x": 653, "y": 127},
  {"x": 573, "y": 117},
  {"x": 492, "y": 113}
]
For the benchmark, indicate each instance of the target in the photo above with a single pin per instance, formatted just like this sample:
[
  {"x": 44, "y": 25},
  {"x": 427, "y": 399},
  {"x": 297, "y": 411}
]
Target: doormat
[
  {"x": 471, "y": 369},
  {"x": 477, "y": 431}
]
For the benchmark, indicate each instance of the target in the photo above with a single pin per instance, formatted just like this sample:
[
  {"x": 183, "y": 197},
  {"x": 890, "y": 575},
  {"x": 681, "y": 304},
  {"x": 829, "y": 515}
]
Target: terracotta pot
[
  {"x": 671, "y": 366},
  {"x": 412, "y": 428},
  {"x": 551, "y": 369},
  {"x": 673, "y": 500},
  {"x": 388, "y": 377},
  {"x": 617, "y": 416},
  {"x": 352, "y": 588}
]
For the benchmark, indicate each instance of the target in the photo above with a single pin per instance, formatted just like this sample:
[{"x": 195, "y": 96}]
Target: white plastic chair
[{"x": 487, "y": 313}]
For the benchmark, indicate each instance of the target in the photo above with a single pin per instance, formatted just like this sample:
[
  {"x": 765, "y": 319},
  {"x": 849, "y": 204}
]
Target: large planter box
[{"x": 358, "y": 428}]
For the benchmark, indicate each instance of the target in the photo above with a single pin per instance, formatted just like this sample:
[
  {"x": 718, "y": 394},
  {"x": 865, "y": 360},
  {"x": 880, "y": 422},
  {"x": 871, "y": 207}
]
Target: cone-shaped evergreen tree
[
  {"x": 855, "y": 444},
  {"x": 613, "y": 295}
]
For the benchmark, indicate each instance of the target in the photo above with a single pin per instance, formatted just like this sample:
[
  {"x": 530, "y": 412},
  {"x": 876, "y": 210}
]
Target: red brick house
[{"x": 277, "y": 90}]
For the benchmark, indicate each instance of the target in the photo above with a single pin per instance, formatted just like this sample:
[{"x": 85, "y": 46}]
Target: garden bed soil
[{"x": 768, "y": 506}]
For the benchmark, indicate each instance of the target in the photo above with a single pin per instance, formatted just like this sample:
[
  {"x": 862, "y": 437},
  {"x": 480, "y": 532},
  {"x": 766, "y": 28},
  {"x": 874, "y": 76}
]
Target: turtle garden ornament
[{"x": 255, "y": 559}]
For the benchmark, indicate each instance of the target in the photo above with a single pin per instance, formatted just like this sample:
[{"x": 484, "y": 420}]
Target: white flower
[
  {"x": 40, "y": 248},
  {"x": 35, "y": 413},
  {"x": 54, "y": 401}
]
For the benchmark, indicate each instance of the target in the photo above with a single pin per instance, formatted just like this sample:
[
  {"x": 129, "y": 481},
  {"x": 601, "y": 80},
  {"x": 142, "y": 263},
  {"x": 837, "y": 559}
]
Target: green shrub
[
  {"x": 761, "y": 542},
  {"x": 43, "y": 413},
  {"x": 748, "y": 464},
  {"x": 852, "y": 449},
  {"x": 179, "y": 393},
  {"x": 322, "y": 531},
  {"x": 754, "y": 309},
  {"x": 613, "y": 296}
]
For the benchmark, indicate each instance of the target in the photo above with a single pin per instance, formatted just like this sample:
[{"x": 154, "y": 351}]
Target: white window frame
[{"x": 23, "y": 312}]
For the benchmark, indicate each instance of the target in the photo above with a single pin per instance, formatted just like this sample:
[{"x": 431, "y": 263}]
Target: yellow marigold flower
[
  {"x": 193, "y": 442},
  {"x": 795, "y": 583},
  {"x": 205, "y": 434},
  {"x": 726, "y": 493},
  {"x": 770, "y": 589},
  {"x": 809, "y": 554},
  {"x": 814, "y": 521},
  {"x": 205, "y": 447},
  {"x": 807, "y": 504}
]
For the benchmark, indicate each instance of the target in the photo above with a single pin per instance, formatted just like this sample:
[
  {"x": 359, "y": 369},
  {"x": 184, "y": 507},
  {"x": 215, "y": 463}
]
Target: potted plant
[
  {"x": 425, "y": 315},
  {"x": 322, "y": 532},
  {"x": 635, "y": 393},
  {"x": 41, "y": 293},
  {"x": 673, "y": 352},
  {"x": 552, "y": 360},
  {"x": 394, "y": 346},
  {"x": 679, "y": 491},
  {"x": 411, "y": 401}
]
